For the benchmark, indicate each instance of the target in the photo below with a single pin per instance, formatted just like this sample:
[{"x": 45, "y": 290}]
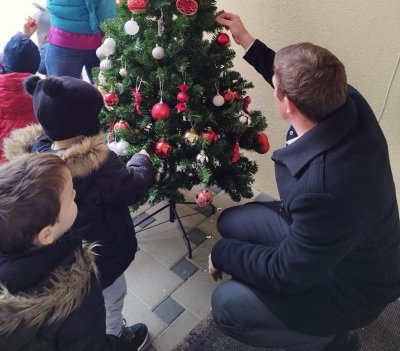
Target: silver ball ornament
[
  {"x": 202, "y": 158},
  {"x": 105, "y": 64}
]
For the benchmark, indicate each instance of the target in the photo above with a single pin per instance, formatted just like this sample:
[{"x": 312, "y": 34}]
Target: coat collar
[
  {"x": 319, "y": 139},
  {"x": 62, "y": 293},
  {"x": 82, "y": 158}
]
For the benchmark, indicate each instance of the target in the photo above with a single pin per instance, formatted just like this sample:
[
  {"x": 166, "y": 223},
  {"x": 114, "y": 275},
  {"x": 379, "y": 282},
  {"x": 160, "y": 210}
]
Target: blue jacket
[
  {"x": 80, "y": 16},
  {"x": 339, "y": 263}
]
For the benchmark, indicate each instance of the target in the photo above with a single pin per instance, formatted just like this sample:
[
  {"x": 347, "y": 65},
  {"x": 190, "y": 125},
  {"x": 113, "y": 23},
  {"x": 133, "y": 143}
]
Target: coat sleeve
[
  {"x": 323, "y": 232},
  {"x": 261, "y": 57},
  {"x": 122, "y": 184}
]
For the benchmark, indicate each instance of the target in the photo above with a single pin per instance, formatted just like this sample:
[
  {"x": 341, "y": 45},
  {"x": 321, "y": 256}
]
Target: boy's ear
[{"x": 44, "y": 237}]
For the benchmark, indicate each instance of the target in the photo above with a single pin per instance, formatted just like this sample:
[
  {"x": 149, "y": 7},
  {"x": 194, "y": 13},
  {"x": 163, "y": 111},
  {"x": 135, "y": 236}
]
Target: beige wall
[{"x": 364, "y": 34}]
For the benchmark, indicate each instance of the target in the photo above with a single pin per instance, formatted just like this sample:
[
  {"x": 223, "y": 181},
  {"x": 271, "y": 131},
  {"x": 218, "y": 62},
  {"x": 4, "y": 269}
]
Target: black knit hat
[
  {"x": 65, "y": 107},
  {"x": 21, "y": 55}
]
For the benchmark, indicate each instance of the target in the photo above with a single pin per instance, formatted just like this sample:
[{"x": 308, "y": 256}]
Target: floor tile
[
  {"x": 200, "y": 253},
  {"x": 172, "y": 336},
  {"x": 136, "y": 311},
  {"x": 197, "y": 236},
  {"x": 195, "y": 294},
  {"x": 149, "y": 280},
  {"x": 184, "y": 269},
  {"x": 209, "y": 226},
  {"x": 164, "y": 240},
  {"x": 168, "y": 310},
  {"x": 165, "y": 243},
  {"x": 143, "y": 220}
]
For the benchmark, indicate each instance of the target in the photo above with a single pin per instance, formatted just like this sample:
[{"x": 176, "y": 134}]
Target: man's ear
[
  {"x": 44, "y": 237},
  {"x": 291, "y": 107}
]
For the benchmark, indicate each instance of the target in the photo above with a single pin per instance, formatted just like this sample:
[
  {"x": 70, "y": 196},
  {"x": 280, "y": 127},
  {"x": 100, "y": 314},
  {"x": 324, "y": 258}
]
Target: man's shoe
[
  {"x": 136, "y": 334},
  {"x": 349, "y": 341}
]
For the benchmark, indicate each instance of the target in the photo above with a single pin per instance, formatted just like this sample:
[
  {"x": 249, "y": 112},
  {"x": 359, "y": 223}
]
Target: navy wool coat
[{"x": 339, "y": 263}]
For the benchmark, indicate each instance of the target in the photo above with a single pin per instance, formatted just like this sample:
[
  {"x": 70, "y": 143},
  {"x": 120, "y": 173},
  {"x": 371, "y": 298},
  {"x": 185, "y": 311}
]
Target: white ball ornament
[
  {"x": 131, "y": 27},
  {"x": 122, "y": 148},
  {"x": 110, "y": 43},
  {"x": 123, "y": 72},
  {"x": 105, "y": 64},
  {"x": 158, "y": 52},
  {"x": 108, "y": 51},
  {"x": 112, "y": 146},
  {"x": 218, "y": 100},
  {"x": 99, "y": 52}
]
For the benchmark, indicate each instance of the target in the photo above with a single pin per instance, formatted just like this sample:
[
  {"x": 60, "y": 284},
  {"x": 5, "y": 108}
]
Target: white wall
[{"x": 364, "y": 34}]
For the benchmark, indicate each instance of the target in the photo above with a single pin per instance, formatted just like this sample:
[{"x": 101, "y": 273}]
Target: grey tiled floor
[{"x": 167, "y": 290}]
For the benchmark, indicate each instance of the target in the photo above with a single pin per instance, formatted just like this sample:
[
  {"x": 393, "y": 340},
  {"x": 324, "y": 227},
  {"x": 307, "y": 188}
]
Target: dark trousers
[{"x": 237, "y": 308}]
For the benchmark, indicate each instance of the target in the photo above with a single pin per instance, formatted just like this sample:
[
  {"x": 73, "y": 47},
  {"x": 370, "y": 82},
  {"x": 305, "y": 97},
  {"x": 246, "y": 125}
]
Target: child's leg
[{"x": 114, "y": 296}]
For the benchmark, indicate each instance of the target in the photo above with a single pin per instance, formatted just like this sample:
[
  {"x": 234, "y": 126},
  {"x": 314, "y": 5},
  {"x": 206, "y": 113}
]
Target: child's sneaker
[{"x": 136, "y": 334}]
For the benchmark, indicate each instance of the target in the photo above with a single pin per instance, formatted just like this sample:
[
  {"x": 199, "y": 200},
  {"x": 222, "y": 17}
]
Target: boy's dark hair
[
  {"x": 312, "y": 77},
  {"x": 30, "y": 191}
]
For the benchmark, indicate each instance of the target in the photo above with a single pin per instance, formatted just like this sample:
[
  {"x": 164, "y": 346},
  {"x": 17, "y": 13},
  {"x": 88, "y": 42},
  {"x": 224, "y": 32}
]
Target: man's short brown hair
[
  {"x": 30, "y": 191},
  {"x": 312, "y": 77}
]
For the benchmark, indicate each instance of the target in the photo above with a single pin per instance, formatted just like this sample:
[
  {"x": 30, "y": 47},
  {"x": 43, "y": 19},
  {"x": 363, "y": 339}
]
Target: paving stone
[
  {"x": 168, "y": 310},
  {"x": 184, "y": 269}
]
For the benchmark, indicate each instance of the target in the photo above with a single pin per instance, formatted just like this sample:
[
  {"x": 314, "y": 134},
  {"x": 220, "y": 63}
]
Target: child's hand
[
  {"x": 144, "y": 152},
  {"x": 30, "y": 27}
]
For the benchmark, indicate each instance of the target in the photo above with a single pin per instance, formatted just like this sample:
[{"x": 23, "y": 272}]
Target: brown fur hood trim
[
  {"x": 21, "y": 140},
  {"x": 82, "y": 158},
  {"x": 67, "y": 289}
]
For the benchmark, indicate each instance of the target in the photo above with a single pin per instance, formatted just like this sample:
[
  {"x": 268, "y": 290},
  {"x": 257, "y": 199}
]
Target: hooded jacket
[
  {"x": 16, "y": 109},
  {"x": 105, "y": 187},
  {"x": 50, "y": 299}
]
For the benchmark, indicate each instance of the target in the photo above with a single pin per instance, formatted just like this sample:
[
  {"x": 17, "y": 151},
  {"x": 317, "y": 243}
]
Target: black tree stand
[{"x": 173, "y": 215}]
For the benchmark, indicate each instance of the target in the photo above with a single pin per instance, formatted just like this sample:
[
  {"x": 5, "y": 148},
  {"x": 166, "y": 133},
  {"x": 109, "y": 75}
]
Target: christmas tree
[{"x": 167, "y": 78}]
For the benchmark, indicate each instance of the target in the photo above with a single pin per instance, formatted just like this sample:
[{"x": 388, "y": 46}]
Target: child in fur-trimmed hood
[{"x": 50, "y": 296}]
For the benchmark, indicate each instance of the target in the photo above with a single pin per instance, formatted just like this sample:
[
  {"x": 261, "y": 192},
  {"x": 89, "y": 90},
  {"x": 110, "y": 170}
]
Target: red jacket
[{"x": 16, "y": 108}]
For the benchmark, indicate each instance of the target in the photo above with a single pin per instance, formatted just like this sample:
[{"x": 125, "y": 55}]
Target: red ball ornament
[
  {"x": 262, "y": 144},
  {"x": 182, "y": 97},
  {"x": 187, "y": 7},
  {"x": 163, "y": 149},
  {"x": 111, "y": 99},
  {"x": 223, "y": 39},
  {"x": 137, "y": 6},
  {"x": 210, "y": 136},
  {"x": 121, "y": 124},
  {"x": 160, "y": 111},
  {"x": 229, "y": 95},
  {"x": 204, "y": 198},
  {"x": 247, "y": 100},
  {"x": 236, "y": 153}
]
